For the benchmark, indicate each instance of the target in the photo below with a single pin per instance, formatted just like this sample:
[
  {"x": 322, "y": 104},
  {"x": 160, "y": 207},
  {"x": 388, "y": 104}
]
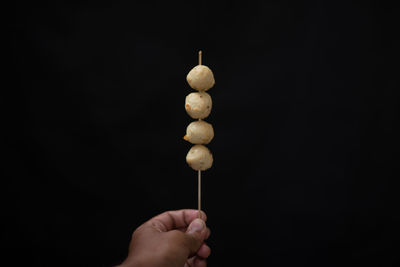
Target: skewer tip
[{"x": 200, "y": 55}]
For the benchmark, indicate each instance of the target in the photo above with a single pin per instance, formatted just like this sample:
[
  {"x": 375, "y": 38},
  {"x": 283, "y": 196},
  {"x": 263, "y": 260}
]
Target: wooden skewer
[
  {"x": 200, "y": 57},
  {"x": 199, "y": 192},
  {"x": 199, "y": 171}
]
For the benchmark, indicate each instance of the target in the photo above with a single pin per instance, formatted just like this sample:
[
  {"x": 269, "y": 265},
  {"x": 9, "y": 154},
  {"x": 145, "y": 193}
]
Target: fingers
[
  {"x": 208, "y": 233},
  {"x": 196, "y": 262},
  {"x": 204, "y": 251},
  {"x": 190, "y": 262},
  {"x": 175, "y": 219},
  {"x": 195, "y": 235}
]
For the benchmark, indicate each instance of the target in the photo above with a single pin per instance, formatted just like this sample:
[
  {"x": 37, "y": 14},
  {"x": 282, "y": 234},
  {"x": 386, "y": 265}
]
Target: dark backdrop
[{"x": 304, "y": 115}]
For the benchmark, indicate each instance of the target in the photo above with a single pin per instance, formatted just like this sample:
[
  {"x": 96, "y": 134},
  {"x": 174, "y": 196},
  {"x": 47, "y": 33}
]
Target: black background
[{"x": 304, "y": 114}]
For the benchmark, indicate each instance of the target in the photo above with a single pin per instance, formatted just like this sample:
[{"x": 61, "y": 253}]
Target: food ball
[
  {"x": 199, "y": 132},
  {"x": 200, "y": 78},
  {"x": 198, "y": 105},
  {"x": 199, "y": 157}
]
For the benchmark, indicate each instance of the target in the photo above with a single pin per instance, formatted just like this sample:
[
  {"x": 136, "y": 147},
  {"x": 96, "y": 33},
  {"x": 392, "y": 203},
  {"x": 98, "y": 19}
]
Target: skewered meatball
[
  {"x": 199, "y": 158},
  {"x": 198, "y": 105},
  {"x": 199, "y": 132},
  {"x": 200, "y": 78}
]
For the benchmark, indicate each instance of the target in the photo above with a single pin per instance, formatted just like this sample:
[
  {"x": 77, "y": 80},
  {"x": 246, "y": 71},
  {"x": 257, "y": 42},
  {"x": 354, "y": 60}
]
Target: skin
[{"x": 170, "y": 239}]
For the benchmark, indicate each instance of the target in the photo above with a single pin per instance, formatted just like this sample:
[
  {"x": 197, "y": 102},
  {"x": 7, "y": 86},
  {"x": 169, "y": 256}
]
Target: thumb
[{"x": 195, "y": 235}]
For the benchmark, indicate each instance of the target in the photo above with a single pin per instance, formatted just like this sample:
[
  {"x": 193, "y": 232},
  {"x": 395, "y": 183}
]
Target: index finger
[{"x": 175, "y": 219}]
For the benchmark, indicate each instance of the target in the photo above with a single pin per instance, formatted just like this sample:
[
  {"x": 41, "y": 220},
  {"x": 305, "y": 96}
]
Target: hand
[{"x": 171, "y": 239}]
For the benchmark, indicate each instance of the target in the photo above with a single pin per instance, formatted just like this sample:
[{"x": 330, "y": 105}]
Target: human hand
[{"x": 171, "y": 239}]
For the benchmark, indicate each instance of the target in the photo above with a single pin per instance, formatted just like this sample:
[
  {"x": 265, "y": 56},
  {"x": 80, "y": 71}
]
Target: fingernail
[{"x": 196, "y": 226}]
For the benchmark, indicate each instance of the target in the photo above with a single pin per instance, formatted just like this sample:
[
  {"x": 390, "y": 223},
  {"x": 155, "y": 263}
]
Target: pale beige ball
[
  {"x": 200, "y": 158},
  {"x": 198, "y": 105},
  {"x": 199, "y": 132},
  {"x": 200, "y": 78}
]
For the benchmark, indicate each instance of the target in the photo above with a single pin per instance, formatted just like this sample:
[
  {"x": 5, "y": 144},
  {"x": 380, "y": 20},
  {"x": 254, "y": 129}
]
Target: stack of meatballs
[{"x": 198, "y": 106}]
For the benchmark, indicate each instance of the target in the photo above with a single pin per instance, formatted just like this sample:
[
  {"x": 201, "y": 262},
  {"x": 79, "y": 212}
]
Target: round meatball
[
  {"x": 198, "y": 105},
  {"x": 199, "y": 132},
  {"x": 200, "y": 78},
  {"x": 199, "y": 157}
]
